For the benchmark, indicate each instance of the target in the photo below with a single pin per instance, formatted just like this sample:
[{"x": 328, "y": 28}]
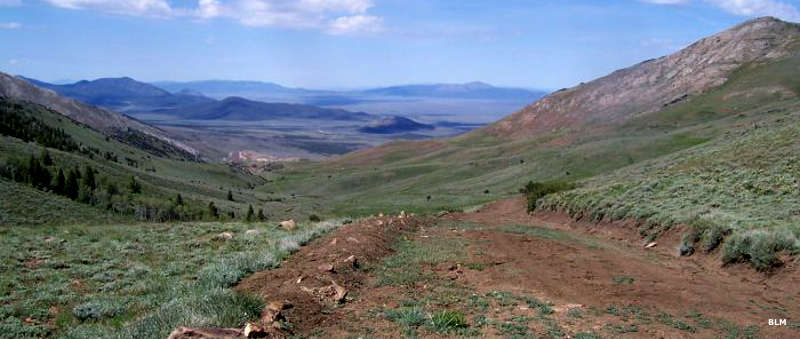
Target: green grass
[
  {"x": 406, "y": 267},
  {"x": 136, "y": 280}
]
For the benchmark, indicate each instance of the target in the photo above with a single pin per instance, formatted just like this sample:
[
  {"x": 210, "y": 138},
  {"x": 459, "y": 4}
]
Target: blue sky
[{"x": 545, "y": 44}]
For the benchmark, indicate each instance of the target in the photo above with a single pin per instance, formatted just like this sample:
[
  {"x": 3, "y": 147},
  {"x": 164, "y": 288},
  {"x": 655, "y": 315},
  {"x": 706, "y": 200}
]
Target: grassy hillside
[
  {"x": 114, "y": 164},
  {"x": 134, "y": 281},
  {"x": 744, "y": 183}
]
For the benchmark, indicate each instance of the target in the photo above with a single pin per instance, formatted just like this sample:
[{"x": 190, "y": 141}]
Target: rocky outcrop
[{"x": 654, "y": 84}]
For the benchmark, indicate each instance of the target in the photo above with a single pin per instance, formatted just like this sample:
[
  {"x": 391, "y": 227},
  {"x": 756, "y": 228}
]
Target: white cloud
[
  {"x": 355, "y": 24},
  {"x": 665, "y": 2},
  {"x": 10, "y": 3},
  {"x": 154, "y": 8},
  {"x": 774, "y": 8},
  {"x": 10, "y": 25},
  {"x": 750, "y": 8},
  {"x": 331, "y": 16}
]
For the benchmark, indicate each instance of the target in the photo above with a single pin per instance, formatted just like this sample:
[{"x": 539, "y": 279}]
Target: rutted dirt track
[{"x": 599, "y": 279}]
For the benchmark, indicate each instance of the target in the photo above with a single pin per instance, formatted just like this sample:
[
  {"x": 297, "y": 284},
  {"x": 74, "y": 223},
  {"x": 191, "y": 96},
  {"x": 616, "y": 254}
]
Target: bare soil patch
[{"x": 513, "y": 274}]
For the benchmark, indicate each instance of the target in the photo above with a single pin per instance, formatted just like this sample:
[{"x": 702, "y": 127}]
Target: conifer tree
[
  {"x": 59, "y": 182},
  {"x": 212, "y": 210},
  {"x": 250, "y": 214},
  {"x": 261, "y": 216},
  {"x": 71, "y": 185},
  {"x": 230, "y": 195},
  {"x": 134, "y": 186},
  {"x": 89, "y": 179},
  {"x": 46, "y": 159},
  {"x": 179, "y": 200}
]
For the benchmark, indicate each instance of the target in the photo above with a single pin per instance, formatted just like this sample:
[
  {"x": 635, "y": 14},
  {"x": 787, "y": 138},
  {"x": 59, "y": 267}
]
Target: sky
[{"x": 337, "y": 44}]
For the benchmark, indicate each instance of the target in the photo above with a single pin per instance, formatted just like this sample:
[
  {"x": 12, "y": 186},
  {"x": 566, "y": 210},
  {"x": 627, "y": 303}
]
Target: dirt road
[{"x": 500, "y": 272}]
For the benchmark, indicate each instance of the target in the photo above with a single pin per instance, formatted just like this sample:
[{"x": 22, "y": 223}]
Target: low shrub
[
  {"x": 760, "y": 248},
  {"x": 448, "y": 321},
  {"x": 409, "y": 317},
  {"x": 537, "y": 190}
]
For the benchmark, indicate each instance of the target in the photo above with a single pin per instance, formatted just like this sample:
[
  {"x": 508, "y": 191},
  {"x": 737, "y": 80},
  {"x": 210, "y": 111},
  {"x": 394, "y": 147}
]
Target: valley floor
[{"x": 500, "y": 272}]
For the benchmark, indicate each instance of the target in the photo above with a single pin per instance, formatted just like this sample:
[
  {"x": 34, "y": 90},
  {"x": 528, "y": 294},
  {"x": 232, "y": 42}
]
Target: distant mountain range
[
  {"x": 123, "y": 94},
  {"x": 255, "y": 89},
  {"x": 472, "y": 90},
  {"x": 240, "y": 109}
]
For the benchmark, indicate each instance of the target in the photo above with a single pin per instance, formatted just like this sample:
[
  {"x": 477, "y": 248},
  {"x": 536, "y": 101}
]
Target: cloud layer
[
  {"x": 776, "y": 8},
  {"x": 10, "y": 25},
  {"x": 331, "y": 16}
]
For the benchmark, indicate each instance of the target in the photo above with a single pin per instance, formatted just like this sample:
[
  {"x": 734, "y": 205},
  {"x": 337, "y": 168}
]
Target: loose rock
[
  {"x": 288, "y": 225},
  {"x": 205, "y": 333},
  {"x": 224, "y": 236}
]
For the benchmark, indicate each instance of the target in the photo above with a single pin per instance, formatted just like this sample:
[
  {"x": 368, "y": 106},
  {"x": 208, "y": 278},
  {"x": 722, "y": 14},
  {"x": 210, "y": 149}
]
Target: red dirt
[
  {"x": 366, "y": 241},
  {"x": 579, "y": 267}
]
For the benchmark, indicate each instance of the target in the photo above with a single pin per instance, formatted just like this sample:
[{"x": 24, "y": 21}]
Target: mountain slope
[
  {"x": 108, "y": 122},
  {"x": 240, "y": 109},
  {"x": 123, "y": 94},
  {"x": 28, "y": 130},
  {"x": 656, "y": 84}
]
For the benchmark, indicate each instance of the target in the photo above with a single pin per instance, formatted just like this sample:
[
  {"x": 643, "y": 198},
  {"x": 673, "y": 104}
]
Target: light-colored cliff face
[
  {"x": 654, "y": 84},
  {"x": 99, "y": 119}
]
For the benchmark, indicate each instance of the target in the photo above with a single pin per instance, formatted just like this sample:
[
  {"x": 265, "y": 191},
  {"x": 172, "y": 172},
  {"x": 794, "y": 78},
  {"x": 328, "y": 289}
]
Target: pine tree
[
  {"x": 33, "y": 171},
  {"x": 88, "y": 178},
  {"x": 46, "y": 159},
  {"x": 213, "y": 212},
  {"x": 71, "y": 185},
  {"x": 250, "y": 214},
  {"x": 111, "y": 188},
  {"x": 230, "y": 195},
  {"x": 134, "y": 186},
  {"x": 261, "y": 215},
  {"x": 59, "y": 182},
  {"x": 179, "y": 200}
]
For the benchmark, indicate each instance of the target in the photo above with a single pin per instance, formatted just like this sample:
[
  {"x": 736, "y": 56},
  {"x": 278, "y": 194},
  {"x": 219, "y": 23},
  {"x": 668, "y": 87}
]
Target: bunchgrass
[{"x": 134, "y": 281}]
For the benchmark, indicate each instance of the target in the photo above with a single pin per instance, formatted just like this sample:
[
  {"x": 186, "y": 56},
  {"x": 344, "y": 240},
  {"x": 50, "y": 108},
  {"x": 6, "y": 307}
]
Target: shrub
[
  {"x": 314, "y": 218},
  {"x": 98, "y": 309},
  {"x": 759, "y": 247},
  {"x": 448, "y": 321},
  {"x": 713, "y": 238},
  {"x": 410, "y": 317},
  {"x": 537, "y": 190}
]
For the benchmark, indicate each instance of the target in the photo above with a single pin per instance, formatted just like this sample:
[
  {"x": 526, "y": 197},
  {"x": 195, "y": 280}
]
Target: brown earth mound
[{"x": 320, "y": 275}]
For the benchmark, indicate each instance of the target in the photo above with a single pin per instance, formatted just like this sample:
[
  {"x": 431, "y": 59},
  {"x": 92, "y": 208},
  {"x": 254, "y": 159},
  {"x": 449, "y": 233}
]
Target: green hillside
[{"x": 74, "y": 148}]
